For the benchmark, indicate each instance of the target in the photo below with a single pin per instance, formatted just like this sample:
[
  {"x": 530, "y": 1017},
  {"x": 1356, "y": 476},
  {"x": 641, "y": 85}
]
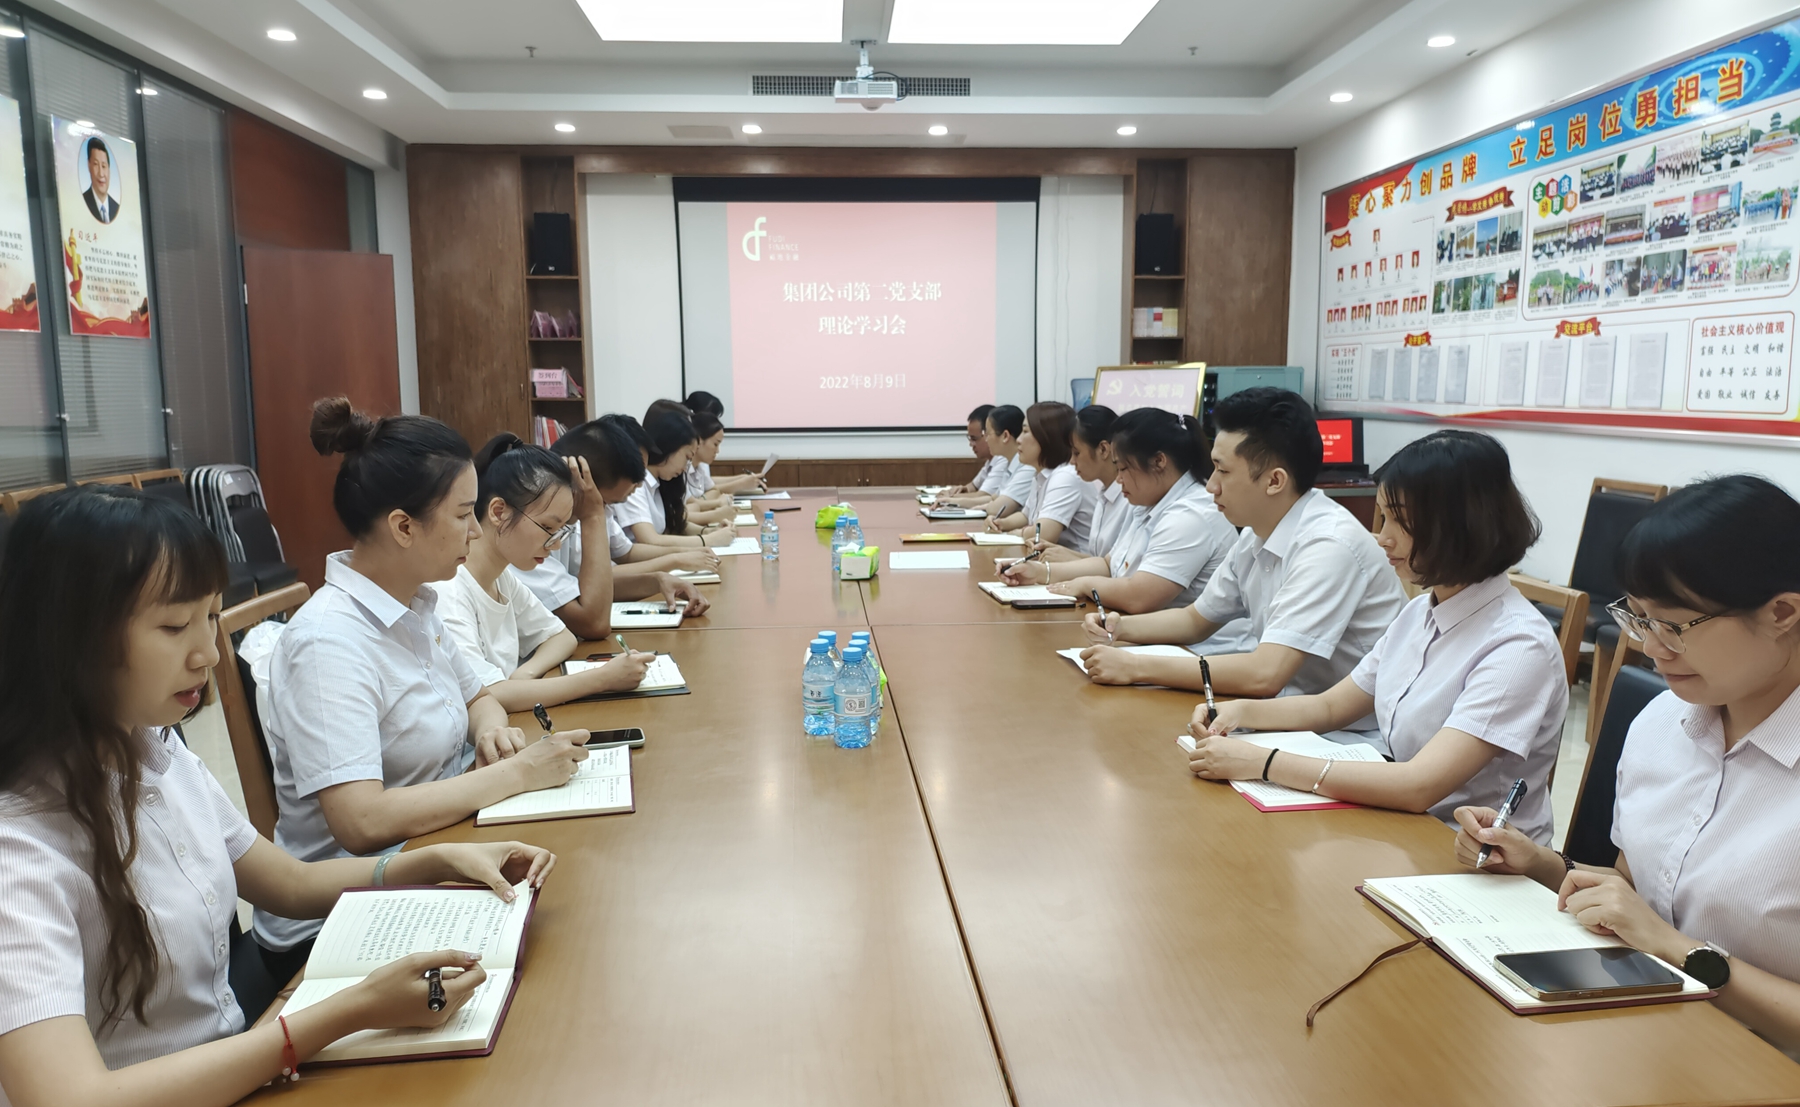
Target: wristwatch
[{"x": 1709, "y": 964}]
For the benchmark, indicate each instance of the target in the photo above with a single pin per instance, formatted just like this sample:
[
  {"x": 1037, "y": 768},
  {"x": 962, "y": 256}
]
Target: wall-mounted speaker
[
  {"x": 1156, "y": 247},
  {"x": 552, "y": 244}
]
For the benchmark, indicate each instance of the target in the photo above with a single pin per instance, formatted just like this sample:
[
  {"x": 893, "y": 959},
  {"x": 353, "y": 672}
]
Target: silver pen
[{"x": 1506, "y": 809}]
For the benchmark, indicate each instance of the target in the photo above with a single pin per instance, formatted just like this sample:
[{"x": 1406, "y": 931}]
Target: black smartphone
[
  {"x": 1588, "y": 973},
  {"x": 625, "y": 736}
]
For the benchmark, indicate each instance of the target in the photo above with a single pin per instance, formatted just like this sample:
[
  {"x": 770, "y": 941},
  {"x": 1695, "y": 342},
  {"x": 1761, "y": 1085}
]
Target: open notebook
[
  {"x": 695, "y": 576},
  {"x": 646, "y": 615},
  {"x": 985, "y": 539},
  {"x": 369, "y": 927},
  {"x": 1074, "y": 654},
  {"x": 661, "y": 677},
  {"x": 939, "y": 513},
  {"x": 1472, "y": 917},
  {"x": 601, "y": 786},
  {"x": 1007, "y": 593},
  {"x": 1276, "y": 797},
  {"x": 739, "y": 547}
]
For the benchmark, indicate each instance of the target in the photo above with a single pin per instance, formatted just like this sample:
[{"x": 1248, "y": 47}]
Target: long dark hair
[
  {"x": 512, "y": 470},
  {"x": 1142, "y": 433},
  {"x": 77, "y": 566},
  {"x": 407, "y": 462},
  {"x": 670, "y": 431}
]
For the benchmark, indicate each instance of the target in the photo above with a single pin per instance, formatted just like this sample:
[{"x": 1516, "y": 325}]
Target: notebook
[
  {"x": 1471, "y": 917},
  {"x": 938, "y": 536},
  {"x": 934, "y": 559},
  {"x": 938, "y": 514},
  {"x": 1014, "y": 593},
  {"x": 646, "y": 615},
  {"x": 1275, "y": 797},
  {"x": 932, "y": 489},
  {"x": 739, "y": 546},
  {"x": 369, "y": 927},
  {"x": 695, "y": 576},
  {"x": 986, "y": 539},
  {"x": 601, "y": 786},
  {"x": 765, "y": 495},
  {"x": 1074, "y": 655},
  {"x": 661, "y": 675},
  {"x": 747, "y": 519}
]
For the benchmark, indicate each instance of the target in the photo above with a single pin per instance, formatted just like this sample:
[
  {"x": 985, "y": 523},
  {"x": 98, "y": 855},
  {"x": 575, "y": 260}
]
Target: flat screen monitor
[{"x": 1343, "y": 438}]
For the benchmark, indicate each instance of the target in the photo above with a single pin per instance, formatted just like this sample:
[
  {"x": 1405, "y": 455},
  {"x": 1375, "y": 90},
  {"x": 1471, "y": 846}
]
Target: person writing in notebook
[
  {"x": 1009, "y": 482},
  {"x": 1060, "y": 507},
  {"x": 124, "y": 858},
  {"x": 655, "y": 514},
  {"x": 512, "y": 641},
  {"x": 1176, "y": 538},
  {"x": 1091, "y": 454},
  {"x": 1708, "y": 802},
  {"x": 378, "y": 729},
  {"x": 701, "y": 482},
  {"x": 605, "y": 464},
  {"x": 1316, "y": 589},
  {"x": 1468, "y": 683},
  {"x": 977, "y": 436}
]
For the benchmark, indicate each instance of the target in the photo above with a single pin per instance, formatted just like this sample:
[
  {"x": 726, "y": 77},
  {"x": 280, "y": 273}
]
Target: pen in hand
[
  {"x": 434, "y": 983},
  {"x": 1109, "y": 634},
  {"x": 1513, "y": 797},
  {"x": 543, "y": 718},
  {"x": 620, "y": 639}
]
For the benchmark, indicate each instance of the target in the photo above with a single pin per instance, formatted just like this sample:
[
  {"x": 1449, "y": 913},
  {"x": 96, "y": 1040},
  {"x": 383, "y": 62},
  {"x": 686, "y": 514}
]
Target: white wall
[
  {"x": 1588, "y": 46},
  {"x": 393, "y": 235},
  {"x": 634, "y": 307}
]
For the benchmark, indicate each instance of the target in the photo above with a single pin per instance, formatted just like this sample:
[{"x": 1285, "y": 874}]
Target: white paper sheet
[{"x": 935, "y": 559}]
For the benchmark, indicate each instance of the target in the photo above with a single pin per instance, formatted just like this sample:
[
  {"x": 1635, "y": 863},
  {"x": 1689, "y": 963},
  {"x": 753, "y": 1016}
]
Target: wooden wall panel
[
  {"x": 321, "y": 324},
  {"x": 1239, "y": 250},
  {"x": 468, "y": 246},
  {"x": 858, "y": 472},
  {"x": 286, "y": 191}
]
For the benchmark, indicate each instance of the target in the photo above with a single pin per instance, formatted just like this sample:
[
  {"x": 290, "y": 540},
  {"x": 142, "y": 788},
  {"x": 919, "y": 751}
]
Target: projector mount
[{"x": 870, "y": 88}]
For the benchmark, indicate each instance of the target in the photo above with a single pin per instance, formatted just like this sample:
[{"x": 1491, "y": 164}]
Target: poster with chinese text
[
  {"x": 1627, "y": 260},
  {"x": 18, "y": 272},
  {"x": 101, "y": 206}
]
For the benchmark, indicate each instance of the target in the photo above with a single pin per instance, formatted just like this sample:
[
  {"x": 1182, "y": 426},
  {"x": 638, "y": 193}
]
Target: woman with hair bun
[{"x": 378, "y": 727}]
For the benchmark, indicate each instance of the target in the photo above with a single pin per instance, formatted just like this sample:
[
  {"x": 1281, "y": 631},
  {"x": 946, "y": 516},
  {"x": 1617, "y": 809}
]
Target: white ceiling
[{"x": 1193, "y": 73}]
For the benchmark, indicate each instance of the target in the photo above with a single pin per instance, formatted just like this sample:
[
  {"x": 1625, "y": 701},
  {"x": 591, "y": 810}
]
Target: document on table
[
  {"x": 601, "y": 786},
  {"x": 646, "y": 615},
  {"x": 695, "y": 576},
  {"x": 782, "y": 495},
  {"x": 934, "y": 559},
  {"x": 747, "y": 519},
  {"x": 740, "y": 545},
  {"x": 1274, "y": 797},
  {"x": 943, "y": 513},
  {"x": 1074, "y": 654},
  {"x": 662, "y": 673},
  {"x": 983, "y": 538},
  {"x": 1014, "y": 593}
]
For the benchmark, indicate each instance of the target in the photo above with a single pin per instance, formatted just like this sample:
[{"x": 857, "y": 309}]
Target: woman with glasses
[
  {"x": 1708, "y": 810},
  {"x": 378, "y": 727},
  {"x": 524, "y": 500}
]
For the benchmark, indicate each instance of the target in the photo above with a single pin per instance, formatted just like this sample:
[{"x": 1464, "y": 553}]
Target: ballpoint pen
[
  {"x": 620, "y": 639},
  {"x": 1212, "y": 712},
  {"x": 434, "y": 983},
  {"x": 543, "y": 718},
  {"x": 1109, "y": 634},
  {"x": 1506, "y": 810}
]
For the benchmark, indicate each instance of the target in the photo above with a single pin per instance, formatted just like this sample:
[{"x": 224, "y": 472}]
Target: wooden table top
[{"x": 784, "y": 922}]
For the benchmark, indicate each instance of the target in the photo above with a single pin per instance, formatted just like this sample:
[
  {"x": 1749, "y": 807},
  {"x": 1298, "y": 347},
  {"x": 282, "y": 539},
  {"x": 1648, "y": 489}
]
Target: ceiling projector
[{"x": 865, "y": 88}]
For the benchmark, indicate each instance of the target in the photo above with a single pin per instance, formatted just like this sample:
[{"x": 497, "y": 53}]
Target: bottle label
[
  {"x": 853, "y": 704},
  {"x": 817, "y": 696}
]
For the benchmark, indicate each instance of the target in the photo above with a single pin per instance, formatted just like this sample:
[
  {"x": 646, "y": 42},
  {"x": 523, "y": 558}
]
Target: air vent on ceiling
[{"x": 807, "y": 85}]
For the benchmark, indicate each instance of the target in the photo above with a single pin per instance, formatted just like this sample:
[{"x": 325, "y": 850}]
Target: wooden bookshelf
[
  {"x": 1160, "y": 186},
  {"x": 550, "y": 184}
]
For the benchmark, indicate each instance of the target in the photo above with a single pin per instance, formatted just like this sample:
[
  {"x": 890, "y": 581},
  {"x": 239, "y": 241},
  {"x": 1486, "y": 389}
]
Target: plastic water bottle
[
  {"x": 818, "y": 684},
  {"x": 851, "y": 700},
  {"x": 771, "y": 537},
  {"x": 837, "y": 657},
  {"x": 861, "y": 640},
  {"x": 853, "y": 535},
  {"x": 840, "y": 537}
]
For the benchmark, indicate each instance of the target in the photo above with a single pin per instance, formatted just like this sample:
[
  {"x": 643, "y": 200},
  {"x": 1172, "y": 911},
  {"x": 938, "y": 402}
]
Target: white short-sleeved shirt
[
  {"x": 995, "y": 476},
  {"x": 558, "y": 580},
  {"x": 1319, "y": 585},
  {"x": 644, "y": 505},
  {"x": 361, "y": 687},
  {"x": 1183, "y": 539},
  {"x": 1019, "y": 477},
  {"x": 981, "y": 474},
  {"x": 1110, "y": 512},
  {"x": 494, "y": 635},
  {"x": 1064, "y": 497},
  {"x": 699, "y": 478},
  {"x": 53, "y": 937},
  {"x": 1709, "y": 833},
  {"x": 1484, "y": 662}
]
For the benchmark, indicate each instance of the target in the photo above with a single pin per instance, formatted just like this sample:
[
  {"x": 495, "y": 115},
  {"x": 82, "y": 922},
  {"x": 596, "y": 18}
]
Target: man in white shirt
[
  {"x": 1316, "y": 588},
  {"x": 978, "y": 445}
]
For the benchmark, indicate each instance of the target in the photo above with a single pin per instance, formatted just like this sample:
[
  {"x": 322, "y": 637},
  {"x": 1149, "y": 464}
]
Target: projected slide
[{"x": 845, "y": 315}]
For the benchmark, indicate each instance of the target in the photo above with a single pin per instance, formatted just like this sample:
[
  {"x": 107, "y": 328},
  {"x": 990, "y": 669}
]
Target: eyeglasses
[
  {"x": 1640, "y": 627},
  {"x": 553, "y": 538}
]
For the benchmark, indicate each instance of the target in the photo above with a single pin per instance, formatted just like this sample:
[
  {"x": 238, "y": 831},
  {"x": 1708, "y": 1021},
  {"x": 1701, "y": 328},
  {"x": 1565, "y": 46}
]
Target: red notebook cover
[{"x": 1321, "y": 805}]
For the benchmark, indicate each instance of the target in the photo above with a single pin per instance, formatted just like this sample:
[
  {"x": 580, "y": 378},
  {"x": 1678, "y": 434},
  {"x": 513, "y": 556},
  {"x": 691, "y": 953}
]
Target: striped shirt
[
  {"x": 1709, "y": 833},
  {"x": 53, "y": 938}
]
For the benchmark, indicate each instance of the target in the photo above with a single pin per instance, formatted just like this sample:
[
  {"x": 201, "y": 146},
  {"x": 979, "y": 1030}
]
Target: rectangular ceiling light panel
[
  {"x": 716, "y": 20},
  {"x": 1017, "y": 22}
]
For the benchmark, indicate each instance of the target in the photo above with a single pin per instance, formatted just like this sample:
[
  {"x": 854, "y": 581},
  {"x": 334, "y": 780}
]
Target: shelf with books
[{"x": 556, "y": 303}]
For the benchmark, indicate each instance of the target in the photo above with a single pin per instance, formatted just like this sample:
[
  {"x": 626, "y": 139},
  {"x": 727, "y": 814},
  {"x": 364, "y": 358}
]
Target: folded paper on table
[
  {"x": 739, "y": 547},
  {"x": 1472, "y": 917},
  {"x": 1009, "y": 594},
  {"x": 646, "y": 615},
  {"x": 747, "y": 519},
  {"x": 983, "y": 538},
  {"x": 601, "y": 786},
  {"x": 934, "y": 559},
  {"x": 1265, "y": 796},
  {"x": 782, "y": 495}
]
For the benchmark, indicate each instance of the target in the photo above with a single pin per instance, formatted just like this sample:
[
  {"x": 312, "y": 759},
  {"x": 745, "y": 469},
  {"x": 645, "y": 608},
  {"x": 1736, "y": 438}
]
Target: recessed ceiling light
[
  {"x": 752, "y": 128},
  {"x": 938, "y": 130},
  {"x": 146, "y": 91},
  {"x": 8, "y": 30},
  {"x": 84, "y": 122},
  {"x": 1438, "y": 42},
  {"x": 374, "y": 94},
  {"x": 1128, "y": 130},
  {"x": 282, "y": 34},
  {"x": 566, "y": 128},
  {"x": 1341, "y": 97},
  {"x": 1524, "y": 124},
  {"x": 717, "y": 20},
  {"x": 1016, "y": 22}
]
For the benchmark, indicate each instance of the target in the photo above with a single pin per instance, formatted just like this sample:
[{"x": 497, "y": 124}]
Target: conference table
[{"x": 1017, "y": 894}]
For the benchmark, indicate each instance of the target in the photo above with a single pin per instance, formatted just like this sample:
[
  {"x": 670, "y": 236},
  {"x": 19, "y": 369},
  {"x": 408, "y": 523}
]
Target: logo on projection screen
[{"x": 752, "y": 242}]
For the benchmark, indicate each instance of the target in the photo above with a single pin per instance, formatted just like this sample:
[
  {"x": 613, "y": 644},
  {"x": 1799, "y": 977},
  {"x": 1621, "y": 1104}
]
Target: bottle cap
[
  {"x": 819, "y": 645},
  {"x": 852, "y": 653},
  {"x": 828, "y": 635}
]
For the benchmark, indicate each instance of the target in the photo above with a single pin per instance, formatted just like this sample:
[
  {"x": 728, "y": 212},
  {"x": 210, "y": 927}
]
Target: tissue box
[
  {"x": 860, "y": 564},
  {"x": 828, "y": 515}
]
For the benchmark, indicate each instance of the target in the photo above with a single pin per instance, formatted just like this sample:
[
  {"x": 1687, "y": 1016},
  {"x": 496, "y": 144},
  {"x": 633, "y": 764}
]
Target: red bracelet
[{"x": 290, "y": 1060}]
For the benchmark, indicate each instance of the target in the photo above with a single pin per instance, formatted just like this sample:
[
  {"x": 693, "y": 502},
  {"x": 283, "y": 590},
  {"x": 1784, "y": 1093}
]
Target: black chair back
[
  {"x": 1589, "y": 840},
  {"x": 5, "y": 529},
  {"x": 256, "y": 533},
  {"x": 1609, "y": 516}
]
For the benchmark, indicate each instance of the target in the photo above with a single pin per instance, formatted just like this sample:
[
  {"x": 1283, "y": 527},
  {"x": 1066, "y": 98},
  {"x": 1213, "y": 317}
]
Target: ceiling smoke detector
[{"x": 865, "y": 88}]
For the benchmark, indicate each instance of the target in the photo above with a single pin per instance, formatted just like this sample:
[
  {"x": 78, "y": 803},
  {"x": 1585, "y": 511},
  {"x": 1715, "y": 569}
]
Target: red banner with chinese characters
[
  {"x": 1394, "y": 186},
  {"x": 1574, "y": 328},
  {"x": 1419, "y": 339},
  {"x": 1340, "y": 240},
  {"x": 1499, "y": 198}
]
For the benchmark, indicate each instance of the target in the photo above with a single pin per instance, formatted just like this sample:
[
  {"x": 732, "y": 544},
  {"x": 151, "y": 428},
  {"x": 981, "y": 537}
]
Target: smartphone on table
[
  {"x": 1607, "y": 973},
  {"x": 624, "y": 736}
]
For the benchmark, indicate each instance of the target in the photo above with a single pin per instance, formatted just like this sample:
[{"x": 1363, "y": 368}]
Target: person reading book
[
  {"x": 1175, "y": 540},
  {"x": 1316, "y": 589},
  {"x": 1092, "y": 456},
  {"x": 124, "y": 858},
  {"x": 706, "y": 501},
  {"x": 1467, "y": 685},
  {"x": 700, "y": 476},
  {"x": 606, "y": 463},
  {"x": 512, "y": 641},
  {"x": 378, "y": 729},
  {"x": 655, "y": 514},
  {"x": 1060, "y": 506},
  {"x": 1705, "y": 819}
]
